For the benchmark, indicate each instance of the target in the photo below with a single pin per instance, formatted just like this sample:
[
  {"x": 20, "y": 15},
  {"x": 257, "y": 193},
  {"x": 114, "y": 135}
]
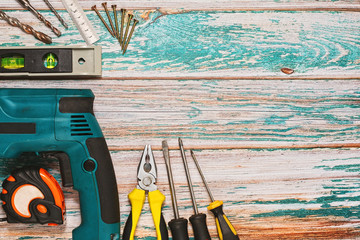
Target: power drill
[{"x": 61, "y": 123}]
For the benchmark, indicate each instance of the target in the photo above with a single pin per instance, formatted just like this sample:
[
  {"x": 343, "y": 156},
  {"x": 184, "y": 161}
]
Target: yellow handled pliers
[{"x": 146, "y": 177}]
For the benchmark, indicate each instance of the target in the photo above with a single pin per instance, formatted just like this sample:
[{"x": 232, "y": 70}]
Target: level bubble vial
[
  {"x": 15, "y": 61},
  {"x": 50, "y": 60}
]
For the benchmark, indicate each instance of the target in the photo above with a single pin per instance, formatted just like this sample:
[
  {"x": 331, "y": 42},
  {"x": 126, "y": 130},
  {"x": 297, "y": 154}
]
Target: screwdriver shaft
[
  {"x": 188, "y": 176},
  {"x": 225, "y": 229},
  {"x": 165, "y": 149},
  {"x": 202, "y": 175}
]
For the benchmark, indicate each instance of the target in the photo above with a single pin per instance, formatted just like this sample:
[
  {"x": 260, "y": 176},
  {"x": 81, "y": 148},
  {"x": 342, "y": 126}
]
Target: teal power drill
[{"x": 61, "y": 123}]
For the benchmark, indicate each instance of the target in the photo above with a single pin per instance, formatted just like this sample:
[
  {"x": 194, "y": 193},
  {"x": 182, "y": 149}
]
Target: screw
[
  {"x": 123, "y": 12},
  {"x": 127, "y": 30},
  {"x": 104, "y": 4},
  {"x": 102, "y": 19},
  {"x": 116, "y": 21},
  {"x": 130, "y": 35}
]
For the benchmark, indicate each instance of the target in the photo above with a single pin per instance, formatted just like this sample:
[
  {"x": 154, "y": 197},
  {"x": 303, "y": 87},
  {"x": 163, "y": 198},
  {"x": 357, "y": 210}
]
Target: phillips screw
[
  {"x": 102, "y": 19},
  {"x": 127, "y": 30},
  {"x": 130, "y": 35},
  {"x": 116, "y": 21},
  {"x": 123, "y": 12},
  {"x": 104, "y": 4}
]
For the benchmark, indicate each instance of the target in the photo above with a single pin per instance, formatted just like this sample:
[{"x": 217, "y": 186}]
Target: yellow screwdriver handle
[
  {"x": 224, "y": 227},
  {"x": 137, "y": 199},
  {"x": 156, "y": 199}
]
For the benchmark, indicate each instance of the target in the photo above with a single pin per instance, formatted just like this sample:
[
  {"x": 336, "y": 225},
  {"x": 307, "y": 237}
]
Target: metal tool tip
[
  {"x": 180, "y": 141},
  {"x": 164, "y": 143},
  {"x": 93, "y": 7}
]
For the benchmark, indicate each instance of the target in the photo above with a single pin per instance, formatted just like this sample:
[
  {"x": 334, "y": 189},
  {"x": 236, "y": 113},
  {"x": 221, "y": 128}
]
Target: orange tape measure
[{"x": 32, "y": 195}]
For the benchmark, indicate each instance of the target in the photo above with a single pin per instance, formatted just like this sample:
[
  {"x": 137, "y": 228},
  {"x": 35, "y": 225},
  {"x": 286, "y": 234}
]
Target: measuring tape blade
[{"x": 81, "y": 21}]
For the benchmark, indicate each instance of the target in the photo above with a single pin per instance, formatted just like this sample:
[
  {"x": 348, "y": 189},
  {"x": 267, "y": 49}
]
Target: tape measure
[
  {"x": 32, "y": 195},
  {"x": 81, "y": 21},
  {"x": 80, "y": 61}
]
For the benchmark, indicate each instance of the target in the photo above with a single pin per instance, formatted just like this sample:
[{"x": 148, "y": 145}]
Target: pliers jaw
[{"x": 147, "y": 172}]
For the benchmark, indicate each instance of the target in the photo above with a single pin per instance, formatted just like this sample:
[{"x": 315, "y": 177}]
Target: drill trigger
[{"x": 65, "y": 167}]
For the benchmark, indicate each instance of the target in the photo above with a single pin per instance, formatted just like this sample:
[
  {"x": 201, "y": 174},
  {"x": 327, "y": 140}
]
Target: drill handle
[{"x": 94, "y": 179}]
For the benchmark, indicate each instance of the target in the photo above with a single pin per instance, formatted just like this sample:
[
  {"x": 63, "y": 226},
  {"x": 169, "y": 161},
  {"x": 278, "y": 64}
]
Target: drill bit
[
  {"x": 26, "y": 4},
  {"x": 56, "y": 14},
  {"x": 26, "y": 28}
]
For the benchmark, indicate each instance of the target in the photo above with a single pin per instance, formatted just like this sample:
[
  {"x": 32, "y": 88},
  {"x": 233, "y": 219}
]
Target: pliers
[{"x": 146, "y": 177}]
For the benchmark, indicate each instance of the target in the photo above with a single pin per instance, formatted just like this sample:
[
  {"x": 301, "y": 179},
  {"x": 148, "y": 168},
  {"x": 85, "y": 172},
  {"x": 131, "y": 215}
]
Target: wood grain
[
  {"x": 223, "y": 113},
  {"x": 284, "y": 5},
  {"x": 281, "y": 150},
  {"x": 222, "y": 45},
  {"x": 282, "y": 194}
]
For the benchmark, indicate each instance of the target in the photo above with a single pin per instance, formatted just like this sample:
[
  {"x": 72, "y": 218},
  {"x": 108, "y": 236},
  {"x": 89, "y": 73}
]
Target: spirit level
[{"x": 50, "y": 61}]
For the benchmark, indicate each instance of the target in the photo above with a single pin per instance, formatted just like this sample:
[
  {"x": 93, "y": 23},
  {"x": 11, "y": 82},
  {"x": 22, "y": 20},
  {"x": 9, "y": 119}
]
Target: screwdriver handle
[
  {"x": 225, "y": 230},
  {"x": 179, "y": 229},
  {"x": 156, "y": 199},
  {"x": 137, "y": 199},
  {"x": 198, "y": 222}
]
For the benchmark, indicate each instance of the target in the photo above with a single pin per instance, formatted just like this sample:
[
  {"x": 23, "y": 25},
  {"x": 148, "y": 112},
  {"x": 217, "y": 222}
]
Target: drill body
[{"x": 61, "y": 122}]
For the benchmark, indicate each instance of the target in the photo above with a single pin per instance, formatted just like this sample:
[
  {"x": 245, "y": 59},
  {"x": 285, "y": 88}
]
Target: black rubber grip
[
  {"x": 127, "y": 228},
  {"x": 76, "y": 105},
  {"x": 17, "y": 128},
  {"x": 179, "y": 229},
  {"x": 199, "y": 226},
  {"x": 225, "y": 229},
  {"x": 129, "y": 223},
  {"x": 163, "y": 229},
  {"x": 65, "y": 168},
  {"x": 106, "y": 180}
]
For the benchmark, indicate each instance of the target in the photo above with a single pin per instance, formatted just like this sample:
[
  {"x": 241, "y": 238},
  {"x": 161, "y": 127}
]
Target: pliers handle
[{"x": 137, "y": 199}]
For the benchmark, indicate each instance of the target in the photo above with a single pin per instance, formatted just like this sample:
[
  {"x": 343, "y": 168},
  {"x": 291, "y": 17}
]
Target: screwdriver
[
  {"x": 178, "y": 226},
  {"x": 225, "y": 229},
  {"x": 198, "y": 220}
]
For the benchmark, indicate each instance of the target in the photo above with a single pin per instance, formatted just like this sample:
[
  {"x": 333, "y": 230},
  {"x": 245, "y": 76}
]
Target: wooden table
[{"x": 281, "y": 150}]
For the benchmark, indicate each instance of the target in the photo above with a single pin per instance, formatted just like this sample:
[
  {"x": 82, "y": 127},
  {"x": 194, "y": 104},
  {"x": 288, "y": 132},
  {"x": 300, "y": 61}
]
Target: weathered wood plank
[
  {"x": 222, "y": 45},
  {"x": 267, "y": 194},
  {"x": 223, "y": 113},
  {"x": 340, "y": 5}
]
